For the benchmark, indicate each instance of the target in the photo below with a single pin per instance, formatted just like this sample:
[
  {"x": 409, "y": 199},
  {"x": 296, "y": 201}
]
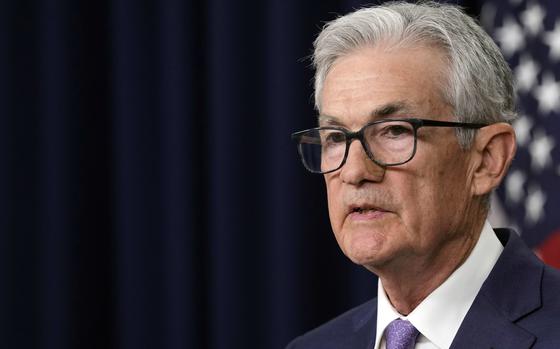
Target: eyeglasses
[{"x": 387, "y": 142}]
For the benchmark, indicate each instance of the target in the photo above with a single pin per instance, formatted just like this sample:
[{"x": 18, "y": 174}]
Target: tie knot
[{"x": 401, "y": 334}]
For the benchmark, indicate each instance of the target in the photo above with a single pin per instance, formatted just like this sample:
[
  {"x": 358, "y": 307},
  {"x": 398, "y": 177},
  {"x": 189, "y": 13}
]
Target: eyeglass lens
[{"x": 388, "y": 143}]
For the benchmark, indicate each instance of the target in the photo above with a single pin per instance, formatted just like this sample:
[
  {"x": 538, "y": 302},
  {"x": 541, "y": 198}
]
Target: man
[{"x": 415, "y": 104}]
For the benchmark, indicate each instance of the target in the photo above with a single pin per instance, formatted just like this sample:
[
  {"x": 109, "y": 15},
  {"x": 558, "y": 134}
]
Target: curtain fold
[{"x": 56, "y": 165}]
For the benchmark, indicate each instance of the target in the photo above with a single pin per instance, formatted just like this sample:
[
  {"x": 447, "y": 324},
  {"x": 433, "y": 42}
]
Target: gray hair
[{"x": 479, "y": 83}]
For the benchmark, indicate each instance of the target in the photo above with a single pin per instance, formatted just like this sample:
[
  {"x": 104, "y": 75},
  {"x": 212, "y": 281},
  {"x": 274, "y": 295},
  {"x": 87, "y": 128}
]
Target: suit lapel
[
  {"x": 364, "y": 328},
  {"x": 485, "y": 327},
  {"x": 511, "y": 291}
]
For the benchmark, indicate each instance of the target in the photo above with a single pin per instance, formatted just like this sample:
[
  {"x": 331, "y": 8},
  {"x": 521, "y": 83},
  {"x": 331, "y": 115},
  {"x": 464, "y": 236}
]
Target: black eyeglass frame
[{"x": 359, "y": 135}]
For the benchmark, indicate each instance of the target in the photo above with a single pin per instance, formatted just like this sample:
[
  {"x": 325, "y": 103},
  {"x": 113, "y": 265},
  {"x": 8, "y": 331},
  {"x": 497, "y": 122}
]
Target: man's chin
[
  {"x": 366, "y": 244},
  {"x": 365, "y": 252}
]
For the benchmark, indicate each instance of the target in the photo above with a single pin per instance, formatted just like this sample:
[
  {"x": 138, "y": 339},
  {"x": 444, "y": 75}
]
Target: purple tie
[{"x": 400, "y": 334}]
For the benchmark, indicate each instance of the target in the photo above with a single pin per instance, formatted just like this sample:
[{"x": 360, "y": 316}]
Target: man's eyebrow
[
  {"x": 390, "y": 109},
  {"x": 328, "y": 120},
  {"x": 380, "y": 112}
]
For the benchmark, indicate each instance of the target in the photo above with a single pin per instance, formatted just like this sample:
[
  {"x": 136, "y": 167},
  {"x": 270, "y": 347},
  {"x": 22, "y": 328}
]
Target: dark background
[{"x": 150, "y": 194}]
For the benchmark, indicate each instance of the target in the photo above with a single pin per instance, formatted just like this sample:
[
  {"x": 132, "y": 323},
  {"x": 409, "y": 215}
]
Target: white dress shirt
[{"x": 440, "y": 314}]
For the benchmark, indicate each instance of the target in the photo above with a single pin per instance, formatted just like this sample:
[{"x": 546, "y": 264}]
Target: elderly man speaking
[{"x": 415, "y": 103}]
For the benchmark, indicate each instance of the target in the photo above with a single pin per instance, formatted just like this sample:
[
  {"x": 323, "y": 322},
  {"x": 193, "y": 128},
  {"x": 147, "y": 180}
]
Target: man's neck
[{"x": 409, "y": 281}]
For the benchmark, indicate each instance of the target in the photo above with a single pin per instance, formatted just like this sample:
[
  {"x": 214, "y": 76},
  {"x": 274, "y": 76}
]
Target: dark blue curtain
[{"x": 150, "y": 195}]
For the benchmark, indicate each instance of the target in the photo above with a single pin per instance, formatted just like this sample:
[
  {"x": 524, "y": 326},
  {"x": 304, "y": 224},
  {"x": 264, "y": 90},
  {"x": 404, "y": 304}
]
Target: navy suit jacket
[{"x": 518, "y": 307}]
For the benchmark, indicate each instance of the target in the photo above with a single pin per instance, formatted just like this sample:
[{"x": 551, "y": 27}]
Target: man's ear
[{"x": 495, "y": 147}]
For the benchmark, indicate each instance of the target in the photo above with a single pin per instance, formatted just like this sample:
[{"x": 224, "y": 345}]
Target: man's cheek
[{"x": 336, "y": 215}]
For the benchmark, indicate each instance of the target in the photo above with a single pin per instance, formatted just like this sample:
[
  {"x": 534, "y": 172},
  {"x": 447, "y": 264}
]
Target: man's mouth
[{"x": 365, "y": 212}]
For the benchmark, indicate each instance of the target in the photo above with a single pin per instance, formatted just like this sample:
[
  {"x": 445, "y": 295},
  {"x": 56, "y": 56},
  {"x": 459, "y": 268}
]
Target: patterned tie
[{"x": 401, "y": 334}]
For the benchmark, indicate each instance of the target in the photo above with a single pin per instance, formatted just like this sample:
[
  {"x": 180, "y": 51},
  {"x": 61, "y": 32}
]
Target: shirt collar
[{"x": 439, "y": 316}]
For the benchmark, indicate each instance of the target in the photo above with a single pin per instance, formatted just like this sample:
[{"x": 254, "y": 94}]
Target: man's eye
[
  {"x": 335, "y": 137},
  {"x": 396, "y": 131}
]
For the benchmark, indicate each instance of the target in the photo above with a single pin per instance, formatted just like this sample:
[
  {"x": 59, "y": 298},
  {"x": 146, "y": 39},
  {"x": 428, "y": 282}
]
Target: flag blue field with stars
[{"x": 528, "y": 33}]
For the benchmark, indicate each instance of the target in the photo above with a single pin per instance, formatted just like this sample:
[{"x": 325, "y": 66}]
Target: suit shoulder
[
  {"x": 551, "y": 289},
  {"x": 543, "y": 322},
  {"x": 357, "y": 324},
  {"x": 552, "y": 275}
]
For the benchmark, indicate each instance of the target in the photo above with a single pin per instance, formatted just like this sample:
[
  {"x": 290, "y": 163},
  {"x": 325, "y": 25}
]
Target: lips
[
  {"x": 365, "y": 212},
  {"x": 364, "y": 208}
]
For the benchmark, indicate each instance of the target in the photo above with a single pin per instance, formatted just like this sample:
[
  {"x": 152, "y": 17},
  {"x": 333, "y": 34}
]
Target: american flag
[{"x": 528, "y": 33}]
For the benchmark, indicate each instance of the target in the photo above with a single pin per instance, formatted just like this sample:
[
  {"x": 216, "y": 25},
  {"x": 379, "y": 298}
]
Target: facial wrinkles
[
  {"x": 356, "y": 108},
  {"x": 351, "y": 87}
]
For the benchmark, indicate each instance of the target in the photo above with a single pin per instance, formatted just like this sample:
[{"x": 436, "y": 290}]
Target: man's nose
[{"x": 359, "y": 167}]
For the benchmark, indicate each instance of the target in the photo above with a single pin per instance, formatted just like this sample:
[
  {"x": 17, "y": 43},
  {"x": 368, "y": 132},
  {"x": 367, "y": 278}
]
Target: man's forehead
[{"x": 373, "y": 83}]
